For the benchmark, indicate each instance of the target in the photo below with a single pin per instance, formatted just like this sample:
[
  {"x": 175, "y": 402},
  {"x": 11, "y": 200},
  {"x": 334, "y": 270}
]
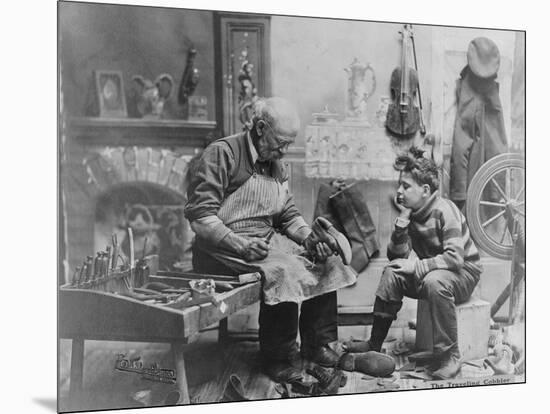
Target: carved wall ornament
[{"x": 248, "y": 92}]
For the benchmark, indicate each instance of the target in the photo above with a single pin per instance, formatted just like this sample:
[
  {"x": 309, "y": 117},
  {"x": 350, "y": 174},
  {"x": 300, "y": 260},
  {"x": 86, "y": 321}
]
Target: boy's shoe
[
  {"x": 450, "y": 367},
  {"x": 433, "y": 365},
  {"x": 370, "y": 363}
]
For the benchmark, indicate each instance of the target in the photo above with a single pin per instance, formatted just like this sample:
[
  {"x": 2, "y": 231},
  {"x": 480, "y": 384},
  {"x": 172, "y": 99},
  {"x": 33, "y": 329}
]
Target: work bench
[{"x": 97, "y": 315}]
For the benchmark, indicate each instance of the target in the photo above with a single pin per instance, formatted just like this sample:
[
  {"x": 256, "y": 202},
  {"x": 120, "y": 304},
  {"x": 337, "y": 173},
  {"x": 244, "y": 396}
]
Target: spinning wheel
[{"x": 497, "y": 187}]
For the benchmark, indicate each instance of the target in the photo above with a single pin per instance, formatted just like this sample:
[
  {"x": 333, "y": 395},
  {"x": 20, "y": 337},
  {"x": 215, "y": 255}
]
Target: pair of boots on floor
[
  {"x": 444, "y": 366},
  {"x": 370, "y": 362}
]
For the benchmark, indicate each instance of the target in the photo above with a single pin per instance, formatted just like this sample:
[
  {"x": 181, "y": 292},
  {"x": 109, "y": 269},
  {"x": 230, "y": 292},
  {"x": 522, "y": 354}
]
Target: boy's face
[{"x": 411, "y": 194}]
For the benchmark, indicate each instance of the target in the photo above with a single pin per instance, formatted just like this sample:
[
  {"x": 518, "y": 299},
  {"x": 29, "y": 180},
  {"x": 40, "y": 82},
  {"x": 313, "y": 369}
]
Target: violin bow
[{"x": 422, "y": 126}]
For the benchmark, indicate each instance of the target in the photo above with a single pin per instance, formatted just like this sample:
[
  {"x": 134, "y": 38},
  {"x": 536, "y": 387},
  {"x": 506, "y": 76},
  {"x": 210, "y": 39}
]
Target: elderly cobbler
[{"x": 245, "y": 220}]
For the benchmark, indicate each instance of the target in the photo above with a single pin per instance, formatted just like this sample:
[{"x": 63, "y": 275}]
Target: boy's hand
[
  {"x": 403, "y": 211},
  {"x": 405, "y": 266}
]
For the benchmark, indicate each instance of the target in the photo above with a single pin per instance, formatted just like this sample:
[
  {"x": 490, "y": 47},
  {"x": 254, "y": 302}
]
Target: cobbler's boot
[{"x": 323, "y": 356}]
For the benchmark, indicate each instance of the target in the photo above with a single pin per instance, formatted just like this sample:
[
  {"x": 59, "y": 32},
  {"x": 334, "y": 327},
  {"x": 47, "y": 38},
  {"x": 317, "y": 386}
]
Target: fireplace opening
[{"x": 155, "y": 214}]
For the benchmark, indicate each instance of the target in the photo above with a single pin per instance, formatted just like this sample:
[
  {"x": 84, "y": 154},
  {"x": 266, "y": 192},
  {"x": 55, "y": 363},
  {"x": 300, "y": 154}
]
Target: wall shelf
[{"x": 129, "y": 131}]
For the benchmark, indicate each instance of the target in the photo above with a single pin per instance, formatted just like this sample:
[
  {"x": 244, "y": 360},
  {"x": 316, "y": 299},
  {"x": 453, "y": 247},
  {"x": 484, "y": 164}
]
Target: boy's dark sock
[{"x": 380, "y": 328}]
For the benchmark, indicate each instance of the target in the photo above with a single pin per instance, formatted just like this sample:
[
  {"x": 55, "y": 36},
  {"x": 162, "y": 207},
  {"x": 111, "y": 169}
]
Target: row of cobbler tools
[{"x": 103, "y": 270}]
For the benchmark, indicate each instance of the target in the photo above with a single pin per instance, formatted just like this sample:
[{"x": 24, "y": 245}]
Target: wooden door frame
[{"x": 259, "y": 23}]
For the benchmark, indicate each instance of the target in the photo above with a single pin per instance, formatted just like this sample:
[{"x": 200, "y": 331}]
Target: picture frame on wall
[{"x": 110, "y": 94}]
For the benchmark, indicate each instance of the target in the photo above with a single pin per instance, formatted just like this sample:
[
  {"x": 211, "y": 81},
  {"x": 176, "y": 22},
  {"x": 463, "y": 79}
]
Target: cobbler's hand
[
  {"x": 323, "y": 252},
  {"x": 405, "y": 266},
  {"x": 254, "y": 248},
  {"x": 316, "y": 248}
]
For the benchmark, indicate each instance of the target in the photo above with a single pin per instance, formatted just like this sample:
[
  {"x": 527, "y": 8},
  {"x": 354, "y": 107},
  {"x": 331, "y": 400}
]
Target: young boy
[{"x": 445, "y": 272}]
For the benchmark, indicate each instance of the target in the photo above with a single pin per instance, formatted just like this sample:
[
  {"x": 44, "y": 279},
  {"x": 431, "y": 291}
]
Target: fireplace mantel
[{"x": 151, "y": 132}]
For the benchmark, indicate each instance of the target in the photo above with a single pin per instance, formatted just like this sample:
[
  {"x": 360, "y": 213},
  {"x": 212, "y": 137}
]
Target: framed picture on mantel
[{"x": 110, "y": 94}]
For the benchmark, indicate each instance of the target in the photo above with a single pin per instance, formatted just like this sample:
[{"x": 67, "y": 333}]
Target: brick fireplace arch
[{"x": 101, "y": 186}]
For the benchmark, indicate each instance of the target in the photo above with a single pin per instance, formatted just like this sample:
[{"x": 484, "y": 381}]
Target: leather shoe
[
  {"x": 329, "y": 380},
  {"x": 324, "y": 356},
  {"x": 370, "y": 363},
  {"x": 282, "y": 371},
  {"x": 324, "y": 231},
  {"x": 450, "y": 367}
]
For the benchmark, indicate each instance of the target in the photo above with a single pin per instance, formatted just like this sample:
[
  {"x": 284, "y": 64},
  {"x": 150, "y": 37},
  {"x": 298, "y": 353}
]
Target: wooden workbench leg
[
  {"x": 222, "y": 331},
  {"x": 77, "y": 371},
  {"x": 181, "y": 381}
]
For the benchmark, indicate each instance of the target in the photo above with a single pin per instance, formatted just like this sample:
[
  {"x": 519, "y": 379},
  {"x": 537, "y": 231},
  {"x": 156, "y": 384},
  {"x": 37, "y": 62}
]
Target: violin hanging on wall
[{"x": 404, "y": 117}]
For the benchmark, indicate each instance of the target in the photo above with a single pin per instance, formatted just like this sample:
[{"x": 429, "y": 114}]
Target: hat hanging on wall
[{"x": 483, "y": 57}]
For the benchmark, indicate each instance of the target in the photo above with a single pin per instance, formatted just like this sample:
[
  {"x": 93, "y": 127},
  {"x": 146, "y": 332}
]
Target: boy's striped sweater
[{"x": 440, "y": 237}]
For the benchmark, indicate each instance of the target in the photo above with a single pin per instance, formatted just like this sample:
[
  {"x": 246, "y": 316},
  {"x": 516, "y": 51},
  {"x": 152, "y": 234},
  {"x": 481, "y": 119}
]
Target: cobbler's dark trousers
[
  {"x": 442, "y": 289},
  {"x": 279, "y": 324}
]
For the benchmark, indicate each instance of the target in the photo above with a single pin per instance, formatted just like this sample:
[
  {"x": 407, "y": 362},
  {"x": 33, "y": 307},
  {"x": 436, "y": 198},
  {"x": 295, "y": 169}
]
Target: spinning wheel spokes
[
  {"x": 504, "y": 233},
  {"x": 520, "y": 193},
  {"x": 508, "y": 183},
  {"x": 493, "y": 218},
  {"x": 496, "y": 189},
  {"x": 499, "y": 189},
  {"x": 491, "y": 203}
]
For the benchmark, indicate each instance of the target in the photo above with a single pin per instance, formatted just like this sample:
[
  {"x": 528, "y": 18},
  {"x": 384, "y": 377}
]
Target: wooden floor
[{"x": 209, "y": 367}]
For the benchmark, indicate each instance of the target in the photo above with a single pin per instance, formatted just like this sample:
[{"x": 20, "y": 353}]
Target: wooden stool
[{"x": 473, "y": 322}]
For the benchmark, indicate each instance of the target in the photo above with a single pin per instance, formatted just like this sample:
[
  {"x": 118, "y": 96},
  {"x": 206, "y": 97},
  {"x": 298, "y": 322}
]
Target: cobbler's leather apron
[{"x": 288, "y": 277}]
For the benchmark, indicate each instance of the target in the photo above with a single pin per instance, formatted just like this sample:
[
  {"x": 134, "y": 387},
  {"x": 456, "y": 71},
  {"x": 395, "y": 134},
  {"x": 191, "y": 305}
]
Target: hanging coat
[{"x": 479, "y": 132}]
